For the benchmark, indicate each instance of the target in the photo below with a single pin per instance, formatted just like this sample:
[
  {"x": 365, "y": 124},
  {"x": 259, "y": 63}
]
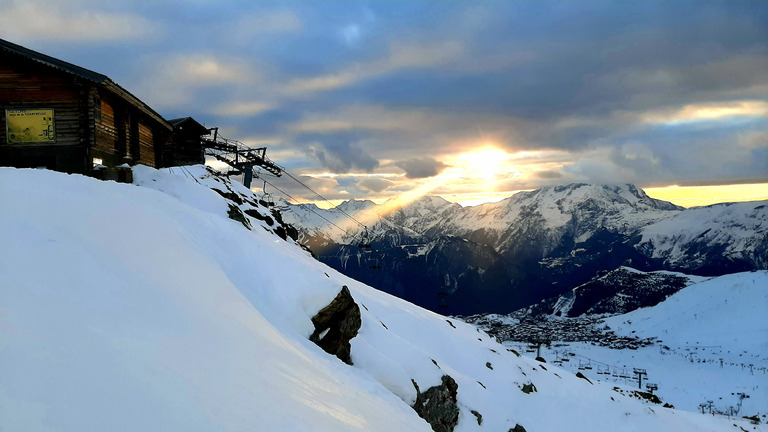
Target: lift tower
[{"x": 241, "y": 158}]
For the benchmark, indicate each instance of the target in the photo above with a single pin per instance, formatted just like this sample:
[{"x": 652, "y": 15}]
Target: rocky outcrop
[
  {"x": 438, "y": 405},
  {"x": 336, "y": 324}
]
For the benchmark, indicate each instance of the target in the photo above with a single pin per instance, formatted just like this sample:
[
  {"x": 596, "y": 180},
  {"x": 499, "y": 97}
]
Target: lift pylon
[{"x": 239, "y": 156}]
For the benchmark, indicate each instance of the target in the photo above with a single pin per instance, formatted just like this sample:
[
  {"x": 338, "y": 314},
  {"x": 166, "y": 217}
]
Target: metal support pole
[{"x": 248, "y": 178}]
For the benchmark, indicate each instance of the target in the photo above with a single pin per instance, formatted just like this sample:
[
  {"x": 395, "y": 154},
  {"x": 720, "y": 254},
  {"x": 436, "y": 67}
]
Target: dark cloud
[
  {"x": 375, "y": 184},
  {"x": 549, "y": 174},
  {"x": 421, "y": 167},
  {"x": 342, "y": 157}
]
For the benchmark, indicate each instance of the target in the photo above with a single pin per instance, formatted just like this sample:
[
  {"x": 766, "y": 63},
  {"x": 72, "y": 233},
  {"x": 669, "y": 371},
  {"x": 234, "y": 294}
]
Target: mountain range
[{"x": 499, "y": 257}]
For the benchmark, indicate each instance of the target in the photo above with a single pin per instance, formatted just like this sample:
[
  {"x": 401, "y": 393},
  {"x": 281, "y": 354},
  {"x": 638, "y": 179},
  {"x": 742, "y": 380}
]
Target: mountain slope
[
  {"x": 156, "y": 311},
  {"x": 728, "y": 311},
  {"x": 542, "y": 243},
  {"x": 704, "y": 348},
  {"x": 616, "y": 292}
]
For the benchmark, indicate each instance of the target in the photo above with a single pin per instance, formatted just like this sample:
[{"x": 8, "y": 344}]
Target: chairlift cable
[
  {"x": 308, "y": 208},
  {"x": 324, "y": 199}
]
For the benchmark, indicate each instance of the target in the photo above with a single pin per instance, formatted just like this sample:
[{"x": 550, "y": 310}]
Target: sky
[{"x": 469, "y": 100}]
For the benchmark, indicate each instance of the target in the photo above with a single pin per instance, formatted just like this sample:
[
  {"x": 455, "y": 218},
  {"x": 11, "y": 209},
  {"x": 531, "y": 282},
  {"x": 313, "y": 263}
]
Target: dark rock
[
  {"x": 438, "y": 405},
  {"x": 479, "y": 417},
  {"x": 518, "y": 428},
  {"x": 529, "y": 388},
  {"x": 489, "y": 365},
  {"x": 235, "y": 213},
  {"x": 540, "y": 359},
  {"x": 650, "y": 397},
  {"x": 280, "y": 231},
  {"x": 257, "y": 215},
  {"x": 581, "y": 375},
  {"x": 338, "y": 323},
  {"x": 229, "y": 195}
]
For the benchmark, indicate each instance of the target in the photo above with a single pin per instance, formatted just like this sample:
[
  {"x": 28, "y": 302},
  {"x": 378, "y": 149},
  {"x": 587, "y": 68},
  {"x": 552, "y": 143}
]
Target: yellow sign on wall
[{"x": 29, "y": 126}]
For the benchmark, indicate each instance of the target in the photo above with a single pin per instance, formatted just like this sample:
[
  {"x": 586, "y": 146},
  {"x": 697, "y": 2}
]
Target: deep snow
[{"x": 126, "y": 307}]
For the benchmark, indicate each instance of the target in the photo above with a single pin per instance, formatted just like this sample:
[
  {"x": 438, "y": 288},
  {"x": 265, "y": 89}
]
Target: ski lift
[
  {"x": 365, "y": 241},
  {"x": 266, "y": 198}
]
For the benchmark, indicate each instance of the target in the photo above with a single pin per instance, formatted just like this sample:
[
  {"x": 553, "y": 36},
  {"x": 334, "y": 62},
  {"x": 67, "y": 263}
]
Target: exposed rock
[
  {"x": 235, "y": 213},
  {"x": 336, "y": 324},
  {"x": 438, "y": 405},
  {"x": 581, "y": 375},
  {"x": 529, "y": 388},
  {"x": 650, "y": 397},
  {"x": 232, "y": 196},
  {"x": 541, "y": 359},
  {"x": 479, "y": 417},
  {"x": 518, "y": 428},
  {"x": 256, "y": 214},
  {"x": 489, "y": 365}
]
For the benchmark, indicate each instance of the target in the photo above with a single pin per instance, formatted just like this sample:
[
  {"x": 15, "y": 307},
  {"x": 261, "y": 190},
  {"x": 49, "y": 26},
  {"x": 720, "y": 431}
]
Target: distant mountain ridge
[{"x": 498, "y": 257}]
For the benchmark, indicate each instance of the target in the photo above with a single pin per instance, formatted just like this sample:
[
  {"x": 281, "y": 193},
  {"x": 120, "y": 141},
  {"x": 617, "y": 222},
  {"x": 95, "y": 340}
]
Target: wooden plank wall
[
  {"x": 146, "y": 145},
  {"x": 106, "y": 134},
  {"x": 91, "y": 121},
  {"x": 21, "y": 87},
  {"x": 27, "y": 84}
]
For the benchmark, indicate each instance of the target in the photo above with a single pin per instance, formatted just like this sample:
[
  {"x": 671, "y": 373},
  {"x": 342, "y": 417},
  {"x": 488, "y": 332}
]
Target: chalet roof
[
  {"x": 81, "y": 72},
  {"x": 190, "y": 123},
  {"x": 53, "y": 62}
]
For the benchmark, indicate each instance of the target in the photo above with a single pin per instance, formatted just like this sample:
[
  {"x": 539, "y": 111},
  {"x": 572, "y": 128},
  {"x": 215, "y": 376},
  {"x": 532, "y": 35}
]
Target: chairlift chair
[
  {"x": 266, "y": 198},
  {"x": 365, "y": 241}
]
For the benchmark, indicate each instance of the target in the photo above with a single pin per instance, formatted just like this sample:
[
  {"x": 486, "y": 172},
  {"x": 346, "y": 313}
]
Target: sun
[{"x": 486, "y": 163}]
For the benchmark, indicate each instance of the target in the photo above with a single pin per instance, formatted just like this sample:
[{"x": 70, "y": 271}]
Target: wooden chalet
[
  {"x": 186, "y": 148},
  {"x": 67, "y": 118}
]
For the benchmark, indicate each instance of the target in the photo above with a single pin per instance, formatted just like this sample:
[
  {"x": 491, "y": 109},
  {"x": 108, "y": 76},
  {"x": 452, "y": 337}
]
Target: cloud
[
  {"x": 173, "y": 81},
  {"x": 421, "y": 167},
  {"x": 342, "y": 157},
  {"x": 206, "y": 69},
  {"x": 708, "y": 112},
  {"x": 400, "y": 56},
  {"x": 373, "y": 184},
  {"x": 65, "y": 22},
  {"x": 240, "y": 108},
  {"x": 548, "y": 174},
  {"x": 261, "y": 23}
]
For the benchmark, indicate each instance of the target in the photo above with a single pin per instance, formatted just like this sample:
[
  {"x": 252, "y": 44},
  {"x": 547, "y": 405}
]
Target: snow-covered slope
[
  {"x": 616, "y": 292},
  {"x": 130, "y": 308},
  {"x": 707, "y": 342},
  {"x": 718, "y": 233},
  {"x": 728, "y": 311}
]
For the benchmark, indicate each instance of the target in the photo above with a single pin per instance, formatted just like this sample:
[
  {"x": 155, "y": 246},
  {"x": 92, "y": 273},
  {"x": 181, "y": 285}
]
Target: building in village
[{"x": 67, "y": 118}]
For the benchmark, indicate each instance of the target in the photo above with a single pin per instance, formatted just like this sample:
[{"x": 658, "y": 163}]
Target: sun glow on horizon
[{"x": 694, "y": 196}]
